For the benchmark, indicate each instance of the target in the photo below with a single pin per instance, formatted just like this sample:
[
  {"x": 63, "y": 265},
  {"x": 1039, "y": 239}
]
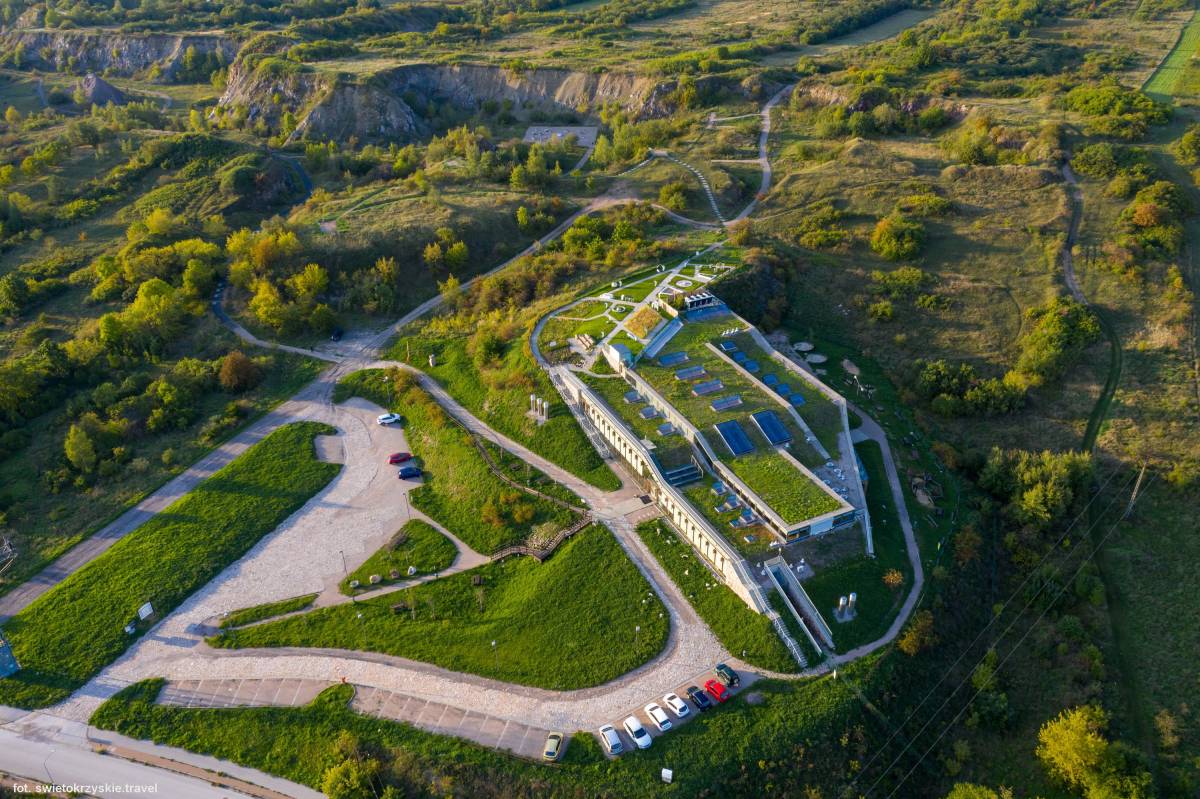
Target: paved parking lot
[
  {"x": 680, "y": 691},
  {"x": 520, "y": 739}
]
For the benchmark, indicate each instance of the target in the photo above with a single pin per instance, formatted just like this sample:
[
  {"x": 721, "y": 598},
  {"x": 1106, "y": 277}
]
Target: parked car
[
  {"x": 727, "y": 675},
  {"x": 637, "y": 732},
  {"x": 399, "y": 457},
  {"x": 717, "y": 690},
  {"x": 388, "y": 418},
  {"x": 699, "y": 699},
  {"x": 409, "y": 473},
  {"x": 553, "y": 747},
  {"x": 336, "y": 335},
  {"x": 612, "y": 741},
  {"x": 658, "y": 716},
  {"x": 677, "y": 705}
]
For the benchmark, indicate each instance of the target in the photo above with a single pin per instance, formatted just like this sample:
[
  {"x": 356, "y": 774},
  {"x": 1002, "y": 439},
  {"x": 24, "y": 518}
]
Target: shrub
[
  {"x": 238, "y": 373},
  {"x": 897, "y": 237}
]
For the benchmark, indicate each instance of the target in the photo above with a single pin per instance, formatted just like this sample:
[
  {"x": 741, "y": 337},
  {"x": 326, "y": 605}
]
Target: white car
[
  {"x": 677, "y": 705},
  {"x": 612, "y": 741},
  {"x": 658, "y": 716},
  {"x": 637, "y": 732},
  {"x": 388, "y": 418}
]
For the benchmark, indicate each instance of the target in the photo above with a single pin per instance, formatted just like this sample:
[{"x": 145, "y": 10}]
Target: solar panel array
[
  {"x": 771, "y": 427},
  {"x": 770, "y": 380},
  {"x": 750, "y": 365},
  {"x": 797, "y": 400},
  {"x": 735, "y": 437},
  {"x": 690, "y": 373},
  {"x": 725, "y": 403},
  {"x": 728, "y": 346},
  {"x": 707, "y": 387},
  {"x": 673, "y": 358},
  {"x": 782, "y": 388}
]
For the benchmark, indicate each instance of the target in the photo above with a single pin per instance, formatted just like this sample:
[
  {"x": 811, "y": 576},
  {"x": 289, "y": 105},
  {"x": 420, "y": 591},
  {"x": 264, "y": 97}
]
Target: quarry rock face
[{"x": 124, "y": 54}]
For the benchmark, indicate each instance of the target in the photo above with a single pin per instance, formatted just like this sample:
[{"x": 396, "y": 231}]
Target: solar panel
[
  {"x": 782, "y": 388},
  {"x": 725, "y": 403},
  {"x": 690, "y": 373},
  {"x": 797, "y": 399},
  {"x": 771, "y": 427},
  {"x": 728, "y": 346},
  {"x": 707, "y": 387},
  {"x": 770, "y": 380},
  {"x": 673, "y": 359},
  {"x": 740, "y": 357},
  {"x": 649, "y": 412},
  {"x": 750, "y": 365},
  {"x": 735, "y": 437},
  {"x": 632, "y": 396}
]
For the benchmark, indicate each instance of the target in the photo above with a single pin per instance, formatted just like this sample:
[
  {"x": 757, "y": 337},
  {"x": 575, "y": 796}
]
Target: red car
[
  {"x": 716, "y": 690},
  {"x": 399, "y": 457}
]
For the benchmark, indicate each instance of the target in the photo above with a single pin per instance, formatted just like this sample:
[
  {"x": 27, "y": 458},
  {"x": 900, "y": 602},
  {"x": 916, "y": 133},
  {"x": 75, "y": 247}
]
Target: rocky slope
[
  {"x": 387, "y": 105},
  {"x": 112, "y": 52}
]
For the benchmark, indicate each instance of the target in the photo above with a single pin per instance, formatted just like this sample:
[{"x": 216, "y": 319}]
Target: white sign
[
  {"x": 667, "y": 775},
  {"x": 145, "y": 611}
]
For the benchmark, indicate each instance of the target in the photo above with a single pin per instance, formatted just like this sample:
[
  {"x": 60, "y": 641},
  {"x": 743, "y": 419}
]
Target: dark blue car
[{"x": 409, "y": 473}]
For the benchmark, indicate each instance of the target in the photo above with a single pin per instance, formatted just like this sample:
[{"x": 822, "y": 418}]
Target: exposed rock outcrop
[
  {"x": 390, "y": 103},
  {"x": 124, "y": 54},
  {"x": 97, "y": 91}
]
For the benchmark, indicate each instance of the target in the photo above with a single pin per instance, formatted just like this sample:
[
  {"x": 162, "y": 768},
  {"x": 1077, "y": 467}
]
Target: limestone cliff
[{"x": 113, "y": 52}]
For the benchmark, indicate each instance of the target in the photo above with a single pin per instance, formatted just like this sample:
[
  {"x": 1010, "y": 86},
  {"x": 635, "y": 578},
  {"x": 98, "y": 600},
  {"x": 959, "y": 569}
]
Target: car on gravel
[
  {"x": 677, "y": 705},
  {"x": 699, "y": 698},
  {"x": 388, "y": 418},
  {"x": 657, "y": 716},
  {"x": 612, "y": 741},
  {"x": 717, "y": 690},
  {"x": 399, "y": 457},
  {"x": 409, "y": 473},
  {"x": 727, "y": 675},
  {"x": 553, "y": 747},
  {"x": 637, "y": 732}
]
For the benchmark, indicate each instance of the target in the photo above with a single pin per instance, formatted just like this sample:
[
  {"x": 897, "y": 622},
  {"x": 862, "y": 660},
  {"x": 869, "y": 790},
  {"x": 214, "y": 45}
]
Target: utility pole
[{"x": 1136, "y": 488}]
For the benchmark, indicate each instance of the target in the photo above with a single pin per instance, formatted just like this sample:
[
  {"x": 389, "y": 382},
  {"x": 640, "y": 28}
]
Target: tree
[
  {"x": 456, "y": 256},
  {"x": 310, "y": 283},
  {"x": 433, "y": 255},
  {"x": 523, "y": 218},
  {"x": 350, "y": 779},
  {"x": 238, "y": 373},
  {"x": 12, "y": 116},
  {"x": 14, "y": 293},
  {"x": 79, "y": 449},
  {"x": 1074, "y": 750},
  {"x": 918, "y": 635},
  {"x": 966, "y": 545},
  {"x": 969, "y": 790}
]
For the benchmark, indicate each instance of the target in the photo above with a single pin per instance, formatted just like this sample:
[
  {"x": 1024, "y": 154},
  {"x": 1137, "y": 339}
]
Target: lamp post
[
  {"x": 496, "y": 655},
  {"x": 636, "y": 634}
]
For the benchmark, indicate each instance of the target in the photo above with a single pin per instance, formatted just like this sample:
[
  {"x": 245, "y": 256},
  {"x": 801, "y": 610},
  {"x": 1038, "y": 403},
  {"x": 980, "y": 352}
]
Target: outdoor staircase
[{"x": 682, "y": 475}]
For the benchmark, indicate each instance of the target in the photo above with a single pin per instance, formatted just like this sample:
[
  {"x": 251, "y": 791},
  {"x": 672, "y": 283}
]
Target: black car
[
  {"x": 727, "y": 675},
  {"x": 699, "y": 698},
  {"x": 336, "y": 335}
]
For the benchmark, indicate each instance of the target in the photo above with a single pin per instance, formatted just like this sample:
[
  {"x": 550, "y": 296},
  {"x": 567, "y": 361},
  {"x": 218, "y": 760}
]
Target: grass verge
[
  {"x": 416, "y": 544},
  {"x": 77, "y": 628},
  {"x": 267, "y": 610},
  {"x": 563, "y": 624},
  {"x": 743, "y": 632}
]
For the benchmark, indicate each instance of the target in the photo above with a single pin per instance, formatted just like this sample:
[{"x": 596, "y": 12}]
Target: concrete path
[{"x": 764, "y": 158}]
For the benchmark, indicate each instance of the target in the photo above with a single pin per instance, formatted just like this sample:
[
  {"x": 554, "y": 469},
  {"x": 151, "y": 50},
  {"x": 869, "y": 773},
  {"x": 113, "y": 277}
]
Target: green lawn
[
  {"x": 267, "y": 610},
  {"x": 739, "y": 628},
  {"x": 503, "y": 406},
  {"x": 77, "y": 628},
  {"x": 459, "y": 491},
  {"x": 793, "y": 731},
  {"x": 417, "y": 544},
  {"x": 877, "y": 604},
  {"x": 1164, "y": 82},
  {"x": 563, "y": 624}
]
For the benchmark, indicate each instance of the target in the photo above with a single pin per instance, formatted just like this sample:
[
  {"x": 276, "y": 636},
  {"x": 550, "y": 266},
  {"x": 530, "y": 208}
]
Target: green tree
[
  {"x": 238, "y": 373},
  {"x": 456, "y": 256},
  {"x": 350, "y": 779},
  {"x": 79, "y": 449},
  {"x": 897, "y": 238},
  {"x": 1074, "y": 750}
]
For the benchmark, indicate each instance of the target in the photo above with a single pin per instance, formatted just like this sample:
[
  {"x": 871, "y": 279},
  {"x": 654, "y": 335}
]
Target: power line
[
  {"x": 995, "y": 617},
  {"x": 1000, "y": 665}
]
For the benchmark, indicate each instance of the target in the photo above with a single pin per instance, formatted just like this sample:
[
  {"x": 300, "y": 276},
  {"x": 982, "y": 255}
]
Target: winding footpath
[{"x": 354, "y": 515}]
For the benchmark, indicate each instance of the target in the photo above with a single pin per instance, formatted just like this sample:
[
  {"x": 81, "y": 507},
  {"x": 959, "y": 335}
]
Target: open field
[
  {"x": 66, "y": 636},
  {"x": 554, "y": 623}
]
